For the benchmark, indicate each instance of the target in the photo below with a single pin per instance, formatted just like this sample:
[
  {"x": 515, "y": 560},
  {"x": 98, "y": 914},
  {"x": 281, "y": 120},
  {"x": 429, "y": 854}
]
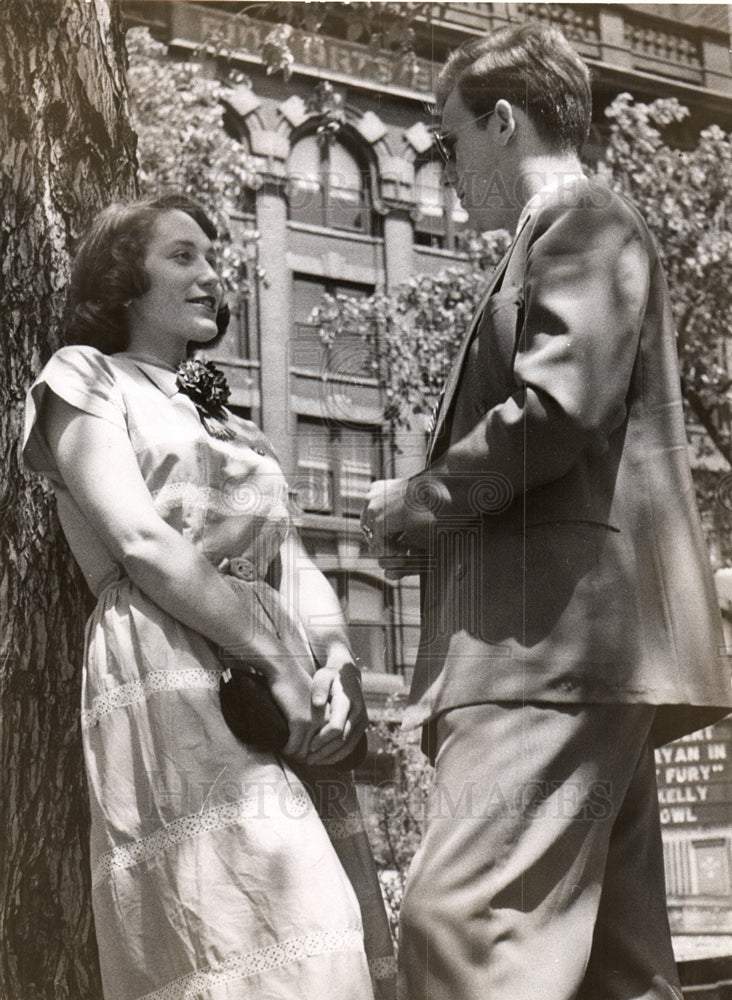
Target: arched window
[
  {"x": 328, "y": 186},
  {"x": 440, "y": 217}
]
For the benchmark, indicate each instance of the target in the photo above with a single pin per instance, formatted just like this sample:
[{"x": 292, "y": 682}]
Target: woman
[{"x": 213, "y": 876}]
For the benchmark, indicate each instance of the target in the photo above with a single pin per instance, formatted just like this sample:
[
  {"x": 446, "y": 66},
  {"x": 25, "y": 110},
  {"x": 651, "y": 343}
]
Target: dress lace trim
[
  {"x": 347, "y": 826},
  {"x": 135, "y": 691},
  {"x": 263, "y": 960},
  {"x": 243, "y": 500},
  {"x": 186, "y": 827},
  {"x": 383, "y": 968}
]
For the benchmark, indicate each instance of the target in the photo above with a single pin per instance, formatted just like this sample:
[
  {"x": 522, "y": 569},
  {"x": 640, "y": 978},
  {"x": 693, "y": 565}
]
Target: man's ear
[{"x": 506, "y": 121}]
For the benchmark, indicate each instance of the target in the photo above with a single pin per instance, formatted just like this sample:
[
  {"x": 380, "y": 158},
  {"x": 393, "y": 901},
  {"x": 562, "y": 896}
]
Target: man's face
[{"x": 477, "y": 164}]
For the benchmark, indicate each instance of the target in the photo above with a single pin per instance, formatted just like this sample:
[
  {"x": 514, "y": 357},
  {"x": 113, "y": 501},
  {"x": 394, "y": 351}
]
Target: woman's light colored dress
[{"x": 213, "y": 876}]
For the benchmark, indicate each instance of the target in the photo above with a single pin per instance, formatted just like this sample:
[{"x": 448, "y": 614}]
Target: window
[
  {"x": 245, "y": 412},
  {"x": 315, "y": 459},
  {"x": 237, "y": 260},
  {"x": 441, "y": 219},
  {"x": 712, "y": 867},
  {"x": 328, "y": 187},
  {"x": 336, "y": 466},
  {"x": 366, "y": 609},
  {"x": 358, "y": 468},
  {"x": 239, "y": 336},
  {"x": 349, "y": 355}
]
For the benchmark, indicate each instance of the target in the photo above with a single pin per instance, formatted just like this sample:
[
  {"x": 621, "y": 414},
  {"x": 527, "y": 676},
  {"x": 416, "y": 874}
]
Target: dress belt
[
  {"x": 240, "y": 567},
  {"x": 244, "y": 569}
]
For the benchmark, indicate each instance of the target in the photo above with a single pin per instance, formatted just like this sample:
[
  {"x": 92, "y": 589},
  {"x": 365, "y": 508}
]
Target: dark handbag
[
  {"x": 254, "y": 717},
  {"x": 250, "y": 711}
]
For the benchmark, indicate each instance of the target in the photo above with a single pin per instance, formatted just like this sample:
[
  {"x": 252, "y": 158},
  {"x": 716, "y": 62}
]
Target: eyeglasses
[{"x": 446, "y": 141}]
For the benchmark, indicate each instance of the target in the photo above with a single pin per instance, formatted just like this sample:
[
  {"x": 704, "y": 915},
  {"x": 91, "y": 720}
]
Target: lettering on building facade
[
  {"x": 695, "y": 778},
  {"x": 243, "y": 39}
]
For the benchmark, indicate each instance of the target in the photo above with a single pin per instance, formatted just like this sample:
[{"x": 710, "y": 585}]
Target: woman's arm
[
  {"x": 100, "y": 470},
  {"x": 337, "y": 682}
]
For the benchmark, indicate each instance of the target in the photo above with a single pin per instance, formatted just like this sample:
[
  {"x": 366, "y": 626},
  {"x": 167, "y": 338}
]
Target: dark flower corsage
[{"x": 206, "y": 386}]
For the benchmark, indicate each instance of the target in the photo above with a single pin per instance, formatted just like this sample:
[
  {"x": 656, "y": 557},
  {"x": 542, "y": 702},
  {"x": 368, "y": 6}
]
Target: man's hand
[
  {"x": 383, "y": 517},
  {"x": 383, "y": 521},
  {"x": 337, "y": 693}
]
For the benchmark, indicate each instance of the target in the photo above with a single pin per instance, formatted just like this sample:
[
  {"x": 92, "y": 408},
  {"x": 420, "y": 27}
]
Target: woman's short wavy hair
[
  {"x": 109, "y": 271},
  {"x": 532, "y": 66}
]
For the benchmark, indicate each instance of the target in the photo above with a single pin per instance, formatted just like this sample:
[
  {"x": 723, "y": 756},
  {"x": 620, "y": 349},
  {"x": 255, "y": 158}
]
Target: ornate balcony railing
[{"x": 614, "y": 34}]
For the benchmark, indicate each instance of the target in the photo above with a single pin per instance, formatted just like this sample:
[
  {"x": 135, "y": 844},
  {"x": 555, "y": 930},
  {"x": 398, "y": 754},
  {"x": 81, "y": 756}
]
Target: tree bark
[{"x": 66, "y": 148}]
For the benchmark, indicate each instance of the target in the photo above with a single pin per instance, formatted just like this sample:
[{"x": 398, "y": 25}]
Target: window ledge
[
  {"x": 320, "y": 376},
  {"x": 343, "y": 234},
  {"x": 454, "y": 255}
]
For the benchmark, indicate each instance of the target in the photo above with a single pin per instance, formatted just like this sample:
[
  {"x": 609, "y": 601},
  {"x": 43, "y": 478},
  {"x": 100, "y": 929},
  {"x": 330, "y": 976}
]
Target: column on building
[
  {"x": 397, "y": 187},
  {"x": 275, "y": 302},
  {"x": 397, "y": 204},
  {"x": 250, "y": 120}
]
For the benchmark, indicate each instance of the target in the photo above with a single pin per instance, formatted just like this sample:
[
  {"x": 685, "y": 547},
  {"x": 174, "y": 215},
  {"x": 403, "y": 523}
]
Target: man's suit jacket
[{"x": 558, "y": 508}]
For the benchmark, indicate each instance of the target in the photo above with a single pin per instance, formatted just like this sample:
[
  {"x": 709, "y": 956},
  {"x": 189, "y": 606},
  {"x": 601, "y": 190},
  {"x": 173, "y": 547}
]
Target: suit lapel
[{"x": 447, "y": 395}]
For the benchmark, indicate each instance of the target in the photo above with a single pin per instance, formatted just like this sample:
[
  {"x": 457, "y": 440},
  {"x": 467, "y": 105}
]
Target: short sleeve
[{"x": 81, "y": 376}]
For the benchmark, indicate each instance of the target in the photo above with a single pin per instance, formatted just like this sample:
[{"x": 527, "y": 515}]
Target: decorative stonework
[
  {"x": 397, "y": 185},
  {"x": 419, "y": 138},
  {"x": 650, "y": 41},
  {"x": 293, "y": 110},
  {"x": 242, "y": 100},
  {"x": 272, "y": 145},
  {"x": 371, "y": 127},
  {"x": 579, "y": 23}
]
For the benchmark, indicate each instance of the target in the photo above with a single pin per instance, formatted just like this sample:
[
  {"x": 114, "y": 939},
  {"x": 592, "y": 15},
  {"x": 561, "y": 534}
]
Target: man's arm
[{"x": 586, "y": 286}]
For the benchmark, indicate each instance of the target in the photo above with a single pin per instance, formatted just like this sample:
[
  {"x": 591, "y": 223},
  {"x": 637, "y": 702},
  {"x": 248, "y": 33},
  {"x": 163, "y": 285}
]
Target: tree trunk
[{"x": 66, "y": 148}]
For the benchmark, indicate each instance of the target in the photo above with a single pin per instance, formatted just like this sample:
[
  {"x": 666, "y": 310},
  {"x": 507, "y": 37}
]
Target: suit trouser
[{"x": 540, "y": 876}]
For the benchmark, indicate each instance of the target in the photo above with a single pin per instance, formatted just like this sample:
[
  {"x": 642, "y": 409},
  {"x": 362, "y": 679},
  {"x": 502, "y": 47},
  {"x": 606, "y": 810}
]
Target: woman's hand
[
  {"x": 337, "y": 703},
  {"x": 336, "y": 692},
  {"x": 293, "y": 691}
]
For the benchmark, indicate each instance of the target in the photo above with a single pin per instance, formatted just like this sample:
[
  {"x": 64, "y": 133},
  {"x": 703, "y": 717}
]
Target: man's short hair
[{"x": 532, "y": 66}]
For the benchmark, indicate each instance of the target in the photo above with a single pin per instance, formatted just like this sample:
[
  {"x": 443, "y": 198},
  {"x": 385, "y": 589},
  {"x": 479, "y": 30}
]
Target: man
[{"x": 569, "y": 615}]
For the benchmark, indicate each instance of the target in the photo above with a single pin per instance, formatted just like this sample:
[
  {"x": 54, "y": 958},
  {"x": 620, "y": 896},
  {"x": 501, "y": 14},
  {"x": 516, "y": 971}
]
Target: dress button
[{"x": 259, "y": 450}]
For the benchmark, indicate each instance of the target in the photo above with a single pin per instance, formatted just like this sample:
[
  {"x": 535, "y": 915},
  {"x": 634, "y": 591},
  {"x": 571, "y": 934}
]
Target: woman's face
[{"x": 185, "y": 291}]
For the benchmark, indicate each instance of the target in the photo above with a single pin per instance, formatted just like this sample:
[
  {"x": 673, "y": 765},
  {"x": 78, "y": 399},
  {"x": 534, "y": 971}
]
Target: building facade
[{"x": 350, "y": 199}]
